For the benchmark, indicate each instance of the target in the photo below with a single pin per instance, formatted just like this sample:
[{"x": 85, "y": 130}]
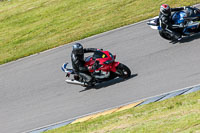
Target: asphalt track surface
[{"x": 34, "y": 93}]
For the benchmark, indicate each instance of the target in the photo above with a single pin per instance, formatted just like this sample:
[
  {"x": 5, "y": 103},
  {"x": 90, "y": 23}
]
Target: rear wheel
[{"x": 124, "y": 71}]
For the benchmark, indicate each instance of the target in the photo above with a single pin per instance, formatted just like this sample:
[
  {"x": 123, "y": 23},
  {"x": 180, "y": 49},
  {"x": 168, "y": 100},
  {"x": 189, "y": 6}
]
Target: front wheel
[{"x": 123, "y": 71}]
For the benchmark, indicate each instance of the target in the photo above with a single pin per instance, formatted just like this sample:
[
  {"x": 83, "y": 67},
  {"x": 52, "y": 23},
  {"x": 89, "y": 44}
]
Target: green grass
[
  {"x": 32, "y": 26},
  {"x": 174, "y": 115}
]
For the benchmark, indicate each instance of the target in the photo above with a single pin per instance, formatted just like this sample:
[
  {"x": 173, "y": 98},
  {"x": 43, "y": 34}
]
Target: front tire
[{"x": 124, "y": 71}]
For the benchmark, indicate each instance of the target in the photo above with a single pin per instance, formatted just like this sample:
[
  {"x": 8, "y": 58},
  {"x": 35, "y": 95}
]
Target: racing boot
[
  {"x": 87, "y": 79},
  {"x": 176, "y": 36},
  {"x": 90, "y": 84}
]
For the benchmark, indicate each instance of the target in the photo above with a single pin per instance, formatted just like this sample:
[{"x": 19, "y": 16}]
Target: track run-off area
[{"x": 34, "y": 93}]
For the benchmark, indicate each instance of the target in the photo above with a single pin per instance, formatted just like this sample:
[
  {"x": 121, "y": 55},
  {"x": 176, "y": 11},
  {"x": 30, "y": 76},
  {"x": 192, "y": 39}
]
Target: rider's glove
[
  {"x": 186, "y": 7},
  {"x": 100, "y": 49}
]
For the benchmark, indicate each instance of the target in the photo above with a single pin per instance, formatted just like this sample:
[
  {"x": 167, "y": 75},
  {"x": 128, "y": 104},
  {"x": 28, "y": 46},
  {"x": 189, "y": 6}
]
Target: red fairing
[
  {"x": 106, "y": 61},
  {"x": 90, "y": 62},
  {"x": 115, "y": 64}
]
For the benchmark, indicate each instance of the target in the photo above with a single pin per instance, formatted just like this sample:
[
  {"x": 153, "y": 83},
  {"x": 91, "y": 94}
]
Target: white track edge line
[{"x": 92, "y": 113}]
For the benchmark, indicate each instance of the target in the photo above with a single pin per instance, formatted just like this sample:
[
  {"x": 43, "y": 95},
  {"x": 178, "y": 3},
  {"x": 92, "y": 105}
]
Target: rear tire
[{"x": 124, "y": 71}]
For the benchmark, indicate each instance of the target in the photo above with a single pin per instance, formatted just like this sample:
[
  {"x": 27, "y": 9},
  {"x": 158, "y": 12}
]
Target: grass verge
[
  {"x": 32, "y": 26},
  {"x": 178, "y": 114}
]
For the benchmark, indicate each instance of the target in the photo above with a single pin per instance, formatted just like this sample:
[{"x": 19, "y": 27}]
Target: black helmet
[
  {"x": 77, "y": 49},
  {"x": 165, "y": 9}
]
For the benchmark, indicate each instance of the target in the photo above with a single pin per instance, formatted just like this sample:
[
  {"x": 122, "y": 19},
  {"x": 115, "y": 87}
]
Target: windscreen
[{"x": 99, "y": 54}]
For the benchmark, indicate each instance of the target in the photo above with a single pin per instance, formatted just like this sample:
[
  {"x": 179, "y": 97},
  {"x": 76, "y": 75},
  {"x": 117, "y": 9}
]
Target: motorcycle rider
[
  {"x": 166, "y": 20},
  {"x": 77, "y": 58}
]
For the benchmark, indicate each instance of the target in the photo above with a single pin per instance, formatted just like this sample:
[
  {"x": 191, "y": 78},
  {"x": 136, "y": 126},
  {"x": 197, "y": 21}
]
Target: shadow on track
[
  {"x": 187, "y": 39},
  {"x": 108, "y": 83}
]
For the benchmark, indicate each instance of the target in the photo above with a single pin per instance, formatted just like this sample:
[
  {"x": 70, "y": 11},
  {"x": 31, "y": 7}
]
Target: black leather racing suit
[
  {"x": 166, "y": 23},
  {"x": 78, "y": 64}
]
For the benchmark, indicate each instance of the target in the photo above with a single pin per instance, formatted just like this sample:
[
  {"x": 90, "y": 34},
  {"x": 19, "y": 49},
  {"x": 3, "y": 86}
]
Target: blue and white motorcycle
[{"x": 188, "y": 17}]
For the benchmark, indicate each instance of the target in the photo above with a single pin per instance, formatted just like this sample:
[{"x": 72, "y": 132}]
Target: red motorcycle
[{"x": 104, "y": 68}]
